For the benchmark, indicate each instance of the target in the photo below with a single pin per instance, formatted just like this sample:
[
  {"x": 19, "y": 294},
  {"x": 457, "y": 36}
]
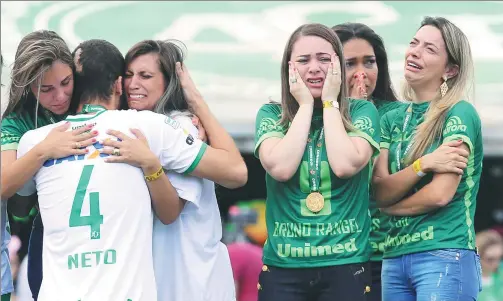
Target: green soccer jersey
[
  {"x": 339, "y": 233},
  {"x": 14, "y": 126},
  {"x": 452, "y": 225},
  {"x": 379, "y": 226}
]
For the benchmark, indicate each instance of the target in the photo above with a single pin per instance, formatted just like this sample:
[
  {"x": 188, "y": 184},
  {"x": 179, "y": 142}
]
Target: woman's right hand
[
  {"x": 358, "y": 91},
  {"x": 61, "y": 143},
  {"x": 450, "y": 157},
  {"x": 298, "y": 88}
]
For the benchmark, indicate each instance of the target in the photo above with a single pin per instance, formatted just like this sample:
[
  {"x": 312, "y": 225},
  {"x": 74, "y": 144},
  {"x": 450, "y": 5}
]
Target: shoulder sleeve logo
[
  {"x": 268, "y": 125},
  {"x": 364, "y": 123},
  {"x": 171, "y": 122},
  {"x": 454, "y": 124}
]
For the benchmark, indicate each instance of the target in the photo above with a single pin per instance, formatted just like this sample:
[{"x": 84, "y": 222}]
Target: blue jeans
[{"x": 441, "y": 275}]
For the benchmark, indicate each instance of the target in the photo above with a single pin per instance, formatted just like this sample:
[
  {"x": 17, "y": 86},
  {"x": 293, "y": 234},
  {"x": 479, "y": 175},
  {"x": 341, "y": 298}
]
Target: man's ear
[{"x": 118, "y": 86}]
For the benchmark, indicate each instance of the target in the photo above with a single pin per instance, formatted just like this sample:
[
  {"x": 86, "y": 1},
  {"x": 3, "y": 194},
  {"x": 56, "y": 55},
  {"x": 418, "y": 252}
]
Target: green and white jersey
[
  {"x": 339, "y": 233},
  {"x": 452, "y": 225},
  {"x": 14, "y": 126},
  {"x": 379, "y": 226},
  {"x": 98, "y": 216}
]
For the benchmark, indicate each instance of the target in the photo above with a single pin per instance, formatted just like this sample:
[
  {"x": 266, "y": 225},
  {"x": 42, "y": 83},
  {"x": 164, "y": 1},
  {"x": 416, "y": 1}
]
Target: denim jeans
[
  {"x": 350, "y": 282},
  {"x": 440, "y": 275}
]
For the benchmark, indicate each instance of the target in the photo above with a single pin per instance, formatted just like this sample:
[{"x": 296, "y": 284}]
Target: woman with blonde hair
[
  {"x": 430, "y": 247},
  {"x": 40, "y": 94},
  {"x": 368, "y": 77}
]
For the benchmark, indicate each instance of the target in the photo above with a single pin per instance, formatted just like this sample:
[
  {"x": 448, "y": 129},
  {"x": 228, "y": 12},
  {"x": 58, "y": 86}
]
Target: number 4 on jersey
[{"x": 94, "y": 219}]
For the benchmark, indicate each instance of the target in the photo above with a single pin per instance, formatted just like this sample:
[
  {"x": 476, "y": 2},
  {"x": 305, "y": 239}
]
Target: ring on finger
[
  {"x": 335, "y": 72},
  {"x": 77, "y": 145},
  {"x": 293, "y": 80},
  {"x": 116, "y": 152}
]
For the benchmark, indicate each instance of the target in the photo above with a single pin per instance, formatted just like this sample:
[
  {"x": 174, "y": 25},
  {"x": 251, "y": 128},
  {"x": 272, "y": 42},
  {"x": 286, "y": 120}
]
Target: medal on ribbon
[{"x": 315, "y": 200}]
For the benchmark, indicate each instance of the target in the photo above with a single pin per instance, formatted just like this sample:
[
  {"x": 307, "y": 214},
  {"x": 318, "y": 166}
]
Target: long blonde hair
[
  {"x": 35, "y": 54},
  {"x": 460, "y": 86},
  {"x": 288, "y": 103}
]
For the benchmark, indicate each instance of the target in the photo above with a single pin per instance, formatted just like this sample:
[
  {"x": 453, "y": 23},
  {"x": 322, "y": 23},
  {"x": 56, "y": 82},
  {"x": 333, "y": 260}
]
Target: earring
[{"x": 444, "y": 87}]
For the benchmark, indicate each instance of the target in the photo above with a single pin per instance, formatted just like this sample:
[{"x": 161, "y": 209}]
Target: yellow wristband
[
  {"x": 155, "y": 175},
  {"x": 417, "y": 168}
]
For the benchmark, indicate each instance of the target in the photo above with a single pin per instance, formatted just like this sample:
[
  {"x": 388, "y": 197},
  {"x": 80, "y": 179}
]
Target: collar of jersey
[{"x": 84, "y": 117}]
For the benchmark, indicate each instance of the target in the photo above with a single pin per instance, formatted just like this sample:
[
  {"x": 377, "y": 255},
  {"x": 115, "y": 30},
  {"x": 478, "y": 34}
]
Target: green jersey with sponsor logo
[
  {"x": 452, "y": 225},
  {"x": 14, "y": 126},
  {"x": 339, "y": 233},
  {"x": 379, "y": 226}
]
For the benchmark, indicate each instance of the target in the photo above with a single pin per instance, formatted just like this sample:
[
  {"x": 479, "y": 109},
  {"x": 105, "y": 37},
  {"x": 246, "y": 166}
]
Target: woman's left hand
[
  {"x": 332, "y": 84},
  {"x": 189, "y": 88},
  {"x": 133, "y": 151}
]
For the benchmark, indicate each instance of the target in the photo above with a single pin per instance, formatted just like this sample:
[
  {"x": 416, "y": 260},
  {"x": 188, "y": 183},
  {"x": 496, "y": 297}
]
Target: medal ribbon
[
  {"x": 315, "y": 160},
  {"x": 49, "y": 116},
  {"x": 399, "y": 156},
  {"x": 87, "y": 108}
]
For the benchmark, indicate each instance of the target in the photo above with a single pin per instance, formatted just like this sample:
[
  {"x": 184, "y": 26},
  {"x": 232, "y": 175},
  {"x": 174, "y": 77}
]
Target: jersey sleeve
[
  {"x": 462, "y": 123},
  {"x": 365, "y": 119},
  {"x": 177, "y": 149},
  {"x": 188, "y": 187},
  {"x": 267, "y": 125},
  {"x": 26, "y": 143},
  {"x": 12, "y": 131}
]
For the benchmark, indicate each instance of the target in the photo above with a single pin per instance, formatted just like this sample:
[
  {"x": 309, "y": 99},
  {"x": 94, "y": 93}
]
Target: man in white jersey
[{"x": 97, "y": 216}]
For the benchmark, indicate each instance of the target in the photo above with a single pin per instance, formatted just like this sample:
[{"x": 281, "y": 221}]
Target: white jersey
[
  {"x": 97, "y": 216},
  {"x": 191, "y": 264}
]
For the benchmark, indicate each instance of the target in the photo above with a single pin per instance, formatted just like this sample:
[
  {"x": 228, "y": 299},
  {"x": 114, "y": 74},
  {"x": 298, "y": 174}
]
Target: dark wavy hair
[{"x": 348, "y": 31}]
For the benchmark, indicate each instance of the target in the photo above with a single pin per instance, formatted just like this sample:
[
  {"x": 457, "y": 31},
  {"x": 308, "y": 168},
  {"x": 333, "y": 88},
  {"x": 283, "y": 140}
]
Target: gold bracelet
[
  {"x": 417, "y": 168},
  {"x": 155, "y": 175}
]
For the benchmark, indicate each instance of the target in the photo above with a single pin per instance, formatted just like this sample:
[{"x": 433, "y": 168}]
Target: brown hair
[
  {"x": 488, "y": 238},
  {"x": 169, "y": 52},
  {"x": 288, "y": 103},
  {"x": 35, "y": 54}
]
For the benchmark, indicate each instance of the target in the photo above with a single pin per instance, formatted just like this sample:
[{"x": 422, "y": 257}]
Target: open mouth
[
  {"x": 414, "y": 66},
  {"x": 316, "y": 82}
]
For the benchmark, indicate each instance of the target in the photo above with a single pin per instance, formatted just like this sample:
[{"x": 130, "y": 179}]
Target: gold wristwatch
[{"x": 330, "y": 104}]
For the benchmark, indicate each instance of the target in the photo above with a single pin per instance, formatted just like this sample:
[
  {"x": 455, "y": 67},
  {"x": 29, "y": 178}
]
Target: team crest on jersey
[
  {"x": 268, "y": 125},
  {"x": 454, "y": 124},
  {"x": 171, "y": 122},
  {"x": 364, "y": 123}
]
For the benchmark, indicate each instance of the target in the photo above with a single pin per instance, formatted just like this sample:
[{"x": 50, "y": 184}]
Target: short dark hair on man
[{"x": 98, "y": 64}]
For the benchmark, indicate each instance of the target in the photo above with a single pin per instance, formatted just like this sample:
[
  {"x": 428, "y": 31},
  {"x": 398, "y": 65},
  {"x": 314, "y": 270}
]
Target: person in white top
[
  {"x": 190, "y": 261},
  {"x": 98, "y": 216}
]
